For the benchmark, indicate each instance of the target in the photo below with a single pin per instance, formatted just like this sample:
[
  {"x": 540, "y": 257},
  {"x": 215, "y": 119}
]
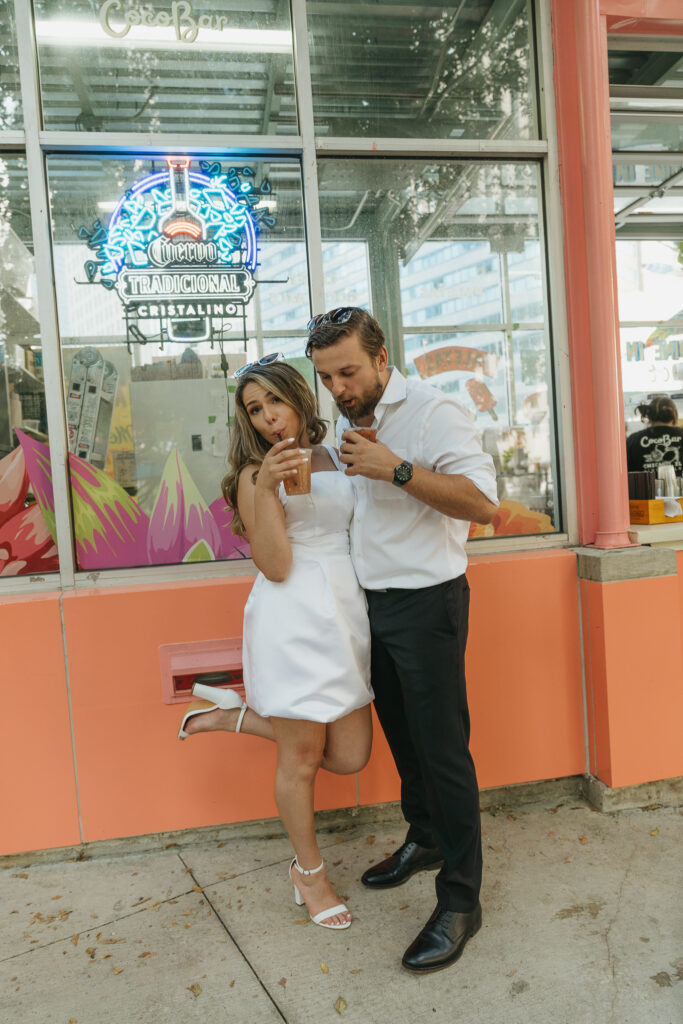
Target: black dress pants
[{"x": 418, "y": 675}]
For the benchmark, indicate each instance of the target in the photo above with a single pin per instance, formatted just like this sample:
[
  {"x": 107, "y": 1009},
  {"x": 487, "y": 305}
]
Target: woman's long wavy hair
[{"x": 247, "y": 447}]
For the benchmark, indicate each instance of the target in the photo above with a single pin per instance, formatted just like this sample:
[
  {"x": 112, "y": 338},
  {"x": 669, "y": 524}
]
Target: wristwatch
[{"x": 402, "y": 473}]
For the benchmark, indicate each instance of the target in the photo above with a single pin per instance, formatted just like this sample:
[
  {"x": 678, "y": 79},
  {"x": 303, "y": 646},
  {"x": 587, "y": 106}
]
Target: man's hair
[{"x": 369, "y": 331}]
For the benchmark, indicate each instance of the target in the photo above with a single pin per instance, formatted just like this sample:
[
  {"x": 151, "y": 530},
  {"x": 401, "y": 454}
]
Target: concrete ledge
[
  {"x": 665, "y": 793},
  {"x": 346, "y": 819},
  {"x": 625, "y": 563}
]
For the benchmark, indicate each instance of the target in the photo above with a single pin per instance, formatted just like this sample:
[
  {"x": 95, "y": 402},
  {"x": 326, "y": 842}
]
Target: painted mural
[{"x": 111, "y": 530}]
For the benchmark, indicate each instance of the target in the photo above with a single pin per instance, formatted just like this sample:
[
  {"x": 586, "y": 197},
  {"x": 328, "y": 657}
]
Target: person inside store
[
  {"x": 661, "y": 442},
  {"x": 418, "y": 486},
  {"x": 306, "y": 643}
]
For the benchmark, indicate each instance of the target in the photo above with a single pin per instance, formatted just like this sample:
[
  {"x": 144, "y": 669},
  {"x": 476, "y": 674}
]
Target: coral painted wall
[{"x": 128, "y": 774}]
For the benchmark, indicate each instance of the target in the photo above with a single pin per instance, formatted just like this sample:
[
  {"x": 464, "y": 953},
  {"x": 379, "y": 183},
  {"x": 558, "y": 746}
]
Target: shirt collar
[{"x": 395, "y": 390}]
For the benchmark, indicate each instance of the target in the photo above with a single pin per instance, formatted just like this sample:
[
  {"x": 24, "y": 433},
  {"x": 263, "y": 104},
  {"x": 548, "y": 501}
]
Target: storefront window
[
  {"x": 650, "y": 275},
  {"x": 450, "y": 71},
  {"x": 170, "y": 274},
  {"x": 27, "y": 522},
  {"x": 10, "y": 99},
  {"x": 191, "y": 67},
  {"x": 455, "y": 274}
]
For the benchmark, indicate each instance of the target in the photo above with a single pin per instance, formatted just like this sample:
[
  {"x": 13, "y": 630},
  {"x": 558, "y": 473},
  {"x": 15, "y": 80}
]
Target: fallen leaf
[
  {"x": 220, "y": 845},
  {"x": 302, "y": 920},
  {"x": 139, "y": 902},
  {"x": 143, "y": 956},
  {"x": 118, "y": 970},
  {"x": 554, "y": 810},
  {"x": 512, "y": 817},
  {"x": 194, "y": 989},
  {"x": 370, "y": 840},
  {"x": 583, "y": 840},
  {"x": 232, "y": 983},
  {"x": 356, "y": 970},
  {"x": 20, "y": 876},
  {"x": 282, "y": 981},
  {"x": 74, "y": 940},
  {"x": 655, "y": 832},
  {"x": 91, "y": 950},
  {"x": 568, "y": 860},
  {"x": 498, "y": 849},
  {"x": 511, "y": 973},
  {"x": 110, "y": 942},
  {"x": 404, "y": 907},
  {"x": 340, "y": 1005},
  {"x": 197, "y": 888},
  {"x": 336, "y": 863},
  {"x": 56, "y": 897},
  {"x": 105, "y": 956},
  {"x": 324, "y": 968},
  {"x": 170, "y": 845}
]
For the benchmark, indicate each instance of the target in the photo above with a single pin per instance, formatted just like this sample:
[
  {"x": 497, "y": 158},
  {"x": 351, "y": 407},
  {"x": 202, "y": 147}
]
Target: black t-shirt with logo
[{"x": 654, "y": 447}]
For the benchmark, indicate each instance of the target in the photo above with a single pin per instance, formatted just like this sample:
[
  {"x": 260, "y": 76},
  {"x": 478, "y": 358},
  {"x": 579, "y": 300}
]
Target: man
[{"x": 417, "y": 488}]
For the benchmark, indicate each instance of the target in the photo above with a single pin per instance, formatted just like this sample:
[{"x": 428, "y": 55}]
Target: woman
[
  {"x": 661, "y": 442},
  {"x": 306, "y": 648}
]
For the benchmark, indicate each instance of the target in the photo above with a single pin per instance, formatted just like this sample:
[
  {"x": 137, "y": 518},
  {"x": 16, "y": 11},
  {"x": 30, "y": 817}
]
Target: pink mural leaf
[
  {"x": 13, "y": 484},
  {"x": 109, "y": 525},
  {"x": 231, "y": 546},
  {"x": 26, "y": 545},
  {"x": 180, "y": 518},
  {"x": 37, "y": 457}
]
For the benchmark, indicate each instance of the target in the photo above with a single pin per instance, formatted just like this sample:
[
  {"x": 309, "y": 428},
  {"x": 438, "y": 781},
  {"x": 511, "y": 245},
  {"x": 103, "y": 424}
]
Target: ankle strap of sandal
[{"x": 311, "y": 871}]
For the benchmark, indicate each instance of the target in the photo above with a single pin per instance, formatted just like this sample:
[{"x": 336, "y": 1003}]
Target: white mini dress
[{"x": 306, "y": 646}]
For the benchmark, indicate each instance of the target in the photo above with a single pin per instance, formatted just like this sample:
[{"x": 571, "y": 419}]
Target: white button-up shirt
[{"x": 397, "y": 540}]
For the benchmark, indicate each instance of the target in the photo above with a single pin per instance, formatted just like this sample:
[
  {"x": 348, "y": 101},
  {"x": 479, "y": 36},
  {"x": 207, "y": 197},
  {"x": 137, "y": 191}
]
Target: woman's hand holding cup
[{"x": 281, "y": 464}]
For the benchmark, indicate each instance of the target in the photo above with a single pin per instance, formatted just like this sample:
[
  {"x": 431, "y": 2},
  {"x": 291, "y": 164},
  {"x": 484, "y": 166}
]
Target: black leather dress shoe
[
  {"x": 442, "y": 940},
  {"x": 398, "y": 868}
]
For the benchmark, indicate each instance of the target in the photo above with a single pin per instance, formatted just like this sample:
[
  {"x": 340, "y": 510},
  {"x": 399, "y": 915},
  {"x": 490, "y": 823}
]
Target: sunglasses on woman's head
[
  {"x": 272, "y": 357},
  {"x": 335, "y": 316}
]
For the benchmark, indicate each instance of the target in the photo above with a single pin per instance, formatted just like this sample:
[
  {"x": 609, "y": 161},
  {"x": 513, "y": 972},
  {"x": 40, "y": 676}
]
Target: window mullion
[{"x": 47, "y": 302}]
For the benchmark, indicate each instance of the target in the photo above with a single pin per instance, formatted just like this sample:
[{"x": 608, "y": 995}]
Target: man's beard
[{"x": 364, "y": 404}]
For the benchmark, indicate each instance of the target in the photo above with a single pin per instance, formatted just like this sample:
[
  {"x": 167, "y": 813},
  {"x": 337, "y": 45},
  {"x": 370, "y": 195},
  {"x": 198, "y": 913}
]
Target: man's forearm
[{"x": 454, "y": 496}]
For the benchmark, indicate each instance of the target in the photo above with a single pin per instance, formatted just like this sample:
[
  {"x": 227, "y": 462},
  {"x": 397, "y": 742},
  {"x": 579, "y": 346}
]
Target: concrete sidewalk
[{"x": 582, "y": 925}]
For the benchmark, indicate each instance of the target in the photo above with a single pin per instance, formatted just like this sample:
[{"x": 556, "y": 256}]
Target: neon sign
[{"x": 180, "y": 248}]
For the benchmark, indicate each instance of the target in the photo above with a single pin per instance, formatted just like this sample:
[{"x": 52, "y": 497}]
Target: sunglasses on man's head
[
  {"x": 335, "y": 316},
  {"x": 272, "y": 357}
]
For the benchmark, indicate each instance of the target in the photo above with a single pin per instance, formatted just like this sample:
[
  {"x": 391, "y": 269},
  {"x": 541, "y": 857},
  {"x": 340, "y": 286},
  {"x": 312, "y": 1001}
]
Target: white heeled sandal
[
  {"x": 341, "y": 908},
  {"x": 214, "y": 697}
]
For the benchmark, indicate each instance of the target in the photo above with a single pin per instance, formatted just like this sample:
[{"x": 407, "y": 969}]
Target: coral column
[{"x": 586, "y": 180}]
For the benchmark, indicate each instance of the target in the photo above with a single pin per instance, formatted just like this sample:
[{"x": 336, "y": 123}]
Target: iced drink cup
[
  {"x": 301, "y": 483},
  {"x": 369, "y": 433}
]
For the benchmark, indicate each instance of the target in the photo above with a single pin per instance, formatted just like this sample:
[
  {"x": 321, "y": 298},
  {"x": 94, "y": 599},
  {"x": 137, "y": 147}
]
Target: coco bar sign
[
  {"x": 180, "y": 249},
  {"x": 117, "y": 19}
]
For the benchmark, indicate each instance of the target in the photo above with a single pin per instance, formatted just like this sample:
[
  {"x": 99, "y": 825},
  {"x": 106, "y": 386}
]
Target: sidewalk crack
[{"x": 235, "y": 943}]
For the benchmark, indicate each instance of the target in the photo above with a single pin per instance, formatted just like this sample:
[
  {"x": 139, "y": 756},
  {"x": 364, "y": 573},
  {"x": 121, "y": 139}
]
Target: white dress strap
[{"x": 334, "y": 456}]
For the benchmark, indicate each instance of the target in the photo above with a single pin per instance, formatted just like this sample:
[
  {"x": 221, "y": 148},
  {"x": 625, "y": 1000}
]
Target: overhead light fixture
[{"x": 80, "y": 33}]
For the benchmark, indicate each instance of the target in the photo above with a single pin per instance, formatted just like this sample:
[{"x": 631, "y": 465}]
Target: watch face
[{"x": 403, "y": 473}]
